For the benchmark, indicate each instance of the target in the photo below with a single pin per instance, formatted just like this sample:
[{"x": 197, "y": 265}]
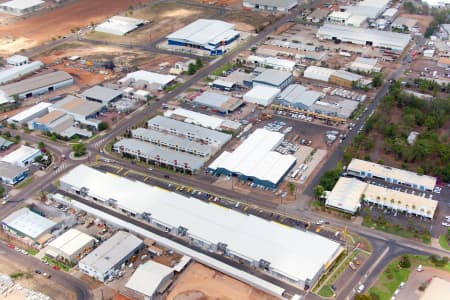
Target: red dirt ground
[{"x": 42, "y": 27}]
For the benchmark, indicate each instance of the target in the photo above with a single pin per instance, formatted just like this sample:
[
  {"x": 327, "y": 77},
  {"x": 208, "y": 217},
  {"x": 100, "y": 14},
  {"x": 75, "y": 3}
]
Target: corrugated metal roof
[{"x": 36, "y": 82}]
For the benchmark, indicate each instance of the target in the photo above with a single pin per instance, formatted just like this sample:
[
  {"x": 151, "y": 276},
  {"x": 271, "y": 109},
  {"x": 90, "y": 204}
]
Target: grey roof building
[
  {"x": 190, "y": 131},
  {"x": 38, "y": 85},
  {"x": 110, "y": 255},
  {"x": 12, "y": 174},
  {"x": 220, "y": 102},
  {"x": 296, "y": 95},
  {"x": 171, "y": 141},
  {"x": 274, "y": 78},
  {"x": 271, "y": 5},
  {"x": 159, "y": 155},
  {"x": 363, "y": 36},
  {"x": 101, "y": 94}
]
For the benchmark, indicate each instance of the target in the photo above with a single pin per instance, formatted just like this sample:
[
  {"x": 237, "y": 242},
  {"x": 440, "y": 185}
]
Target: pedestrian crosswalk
[
  {"x": 99, "y": 144},
  {"x": 59, "y": 168}
]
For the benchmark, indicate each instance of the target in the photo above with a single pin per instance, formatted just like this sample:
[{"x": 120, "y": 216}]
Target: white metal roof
[
  {"x": 119, "y": 25},
  {"x": 437, "y": 3},
  {"x": 203, "y": 32},
  {"x": 148, "y": 277},
  {"x": 256, "y": 157},
  {"x": 18, "y": 156},
  {"x": 71, "y": 241},
  {"x": 11, "y": 73},
  {"x": 29, "y": 223},
  {"x": 22, "y": 4},
  {"x": 251, "y": 236},
  {"x": 198, "y": 256},
  {"x": 318, "y": 73},
  {"x": 29, "y": 112},
  {"x": 394, "y": 40},
  {"x": 262, "y": 95},
  {"x": 16, "y": 59},
  {"x": 346, "y": 194},
  {"x": 277, "y": 63},
  {"x": 437, "y": 289},
  {"x": 101, "y": 93},
  {"x": 196, "y": 118},
  {"x": 393, "y": 173},
  {"x": 150, "y": 77},
  {"x": 297, "y": 93}
]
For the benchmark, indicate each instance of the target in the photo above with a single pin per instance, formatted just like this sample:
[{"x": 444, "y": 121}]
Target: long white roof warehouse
[
  {"x": 248, "y": 238},
  {"x": 363, "y": 36}
]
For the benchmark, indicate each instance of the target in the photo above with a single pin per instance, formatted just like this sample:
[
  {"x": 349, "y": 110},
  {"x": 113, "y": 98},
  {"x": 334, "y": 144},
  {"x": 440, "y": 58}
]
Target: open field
[
  {"x": 43, "y": 27},
  {"x": 422, "y": 20},
  {"x": 164, "y": 18},
  {"x": 198, "y": 282},
  {"x": 247, "y": 20}
]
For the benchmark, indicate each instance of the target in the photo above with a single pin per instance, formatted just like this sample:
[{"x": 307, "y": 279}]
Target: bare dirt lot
[
  {"x": 422, "y": 20},
  {"x": 247, "y": 20},
  {"x": 30, "y": 281},
  {"x": 198, "y": 282},
  {"x": 42, "y": 27},
  {"x": 164, "y": 18}
]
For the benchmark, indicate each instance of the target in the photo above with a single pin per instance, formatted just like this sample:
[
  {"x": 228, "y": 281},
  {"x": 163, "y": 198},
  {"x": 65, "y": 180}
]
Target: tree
[
  {"x": 2, "y": 190},
  {"x": 102, "y": 126},
  {"x": 41, "y": 145},
  {"x": 198, "y": 63},
  {"x": 362, "y": 297},
  {"x": 377, "y": 79},
  {"x": 319, "y": 190},
  {"x": 291, "y": 187},
  {"x": 192, "y": 69},
  {"x": 79, "y": 149},
  {"x": 405, "y": 263},
  {"x": 410, "y": 7}
]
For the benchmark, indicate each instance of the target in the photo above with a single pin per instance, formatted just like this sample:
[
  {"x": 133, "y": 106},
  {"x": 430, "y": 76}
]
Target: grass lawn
[
  {"x": 53, "y": 262},
  {"x": 32, "y": 251},
  {"x": 24, "y": 183},
  {"x": 400, "y": 231},
  {"x": 443, "y": 242},
  {"x": 219, "y": 71},
  {"x": 425, "y": 261},
  {"x": 390, "y": 280},
  {"x": 326, "y": 292}
]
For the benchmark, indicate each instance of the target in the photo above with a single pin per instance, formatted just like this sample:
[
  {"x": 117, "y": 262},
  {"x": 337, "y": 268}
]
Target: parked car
[{"x": 360, "y": 289}]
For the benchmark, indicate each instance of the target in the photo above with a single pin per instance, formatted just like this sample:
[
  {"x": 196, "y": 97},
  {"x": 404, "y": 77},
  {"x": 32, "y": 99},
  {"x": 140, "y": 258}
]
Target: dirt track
[{"x": 58, "y": 22}]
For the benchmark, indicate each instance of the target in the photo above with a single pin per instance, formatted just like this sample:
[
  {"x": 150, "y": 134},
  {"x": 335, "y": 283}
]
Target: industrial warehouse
[
  {"x": 255, "y": 160},
  {"x": 109, "y": 256},
  {"x": 71, "y": 245},
  {"x": 362, "y": 36},
  {"x": 213, "y": 36},
  {"x": 247, "y": 239}
]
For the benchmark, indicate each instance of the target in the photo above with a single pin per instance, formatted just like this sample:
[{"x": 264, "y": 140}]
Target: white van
[{"x": 360, "y": 289}]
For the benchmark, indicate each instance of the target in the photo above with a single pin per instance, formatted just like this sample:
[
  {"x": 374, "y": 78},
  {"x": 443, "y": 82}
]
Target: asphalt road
[{"x": 81, "y": 289}]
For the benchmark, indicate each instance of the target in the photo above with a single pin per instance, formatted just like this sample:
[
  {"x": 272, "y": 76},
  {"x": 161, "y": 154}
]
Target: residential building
[
  {"x": 366, "y": 169},
  {"x": 110, "y": 255},
  {"x": 11, "y": 174},
  {"x": 270, "y": 5},
  {"x": 213, "y": 36},
  {"x": 71, "y": 245}
]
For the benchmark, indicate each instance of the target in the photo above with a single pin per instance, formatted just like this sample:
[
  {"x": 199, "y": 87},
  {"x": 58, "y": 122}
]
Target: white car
[
  {"x": 419, "y": 268},
  {"x": 360, "y": 289},
  {"x": 445, "y": 224}
]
